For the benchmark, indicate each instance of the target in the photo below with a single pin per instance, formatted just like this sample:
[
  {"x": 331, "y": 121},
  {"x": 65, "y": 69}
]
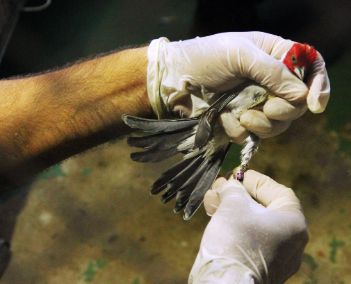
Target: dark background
[
  {"x": 71, "y": 30},
  {"x": 68, "y": 30}
]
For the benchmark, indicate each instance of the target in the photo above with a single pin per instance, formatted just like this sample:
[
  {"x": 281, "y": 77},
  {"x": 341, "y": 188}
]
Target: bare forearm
[{"x": 48, "y": 117}]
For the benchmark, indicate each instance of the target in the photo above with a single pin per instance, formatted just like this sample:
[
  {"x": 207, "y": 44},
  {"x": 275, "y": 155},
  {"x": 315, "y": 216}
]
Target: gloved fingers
[
  {"x": 211, "y": 202},
  {"x": 270, "y": 193},
  {"x": 226, "y": 194},
  {"x": 233, "y": 191},
  {"x": 211, "y": 199},
  {"x": 232, "y": 127},
  {"x": 319, "y": 86},
  {"x": 219, "y": 182},
  {"x": 318, "y": 81},
  {"x": 279, "y": 109},
  {"x": 258, "y": 123},
  {"x": 273, "y": 45},
  {"x": 271, "y": 73}
]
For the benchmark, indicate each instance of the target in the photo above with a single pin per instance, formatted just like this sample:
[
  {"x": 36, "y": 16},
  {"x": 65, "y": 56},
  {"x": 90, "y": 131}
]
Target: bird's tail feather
[
  {"x": 159, "y": 126},
  {"x": 174, "y": 178},
  {"x": 205, "y": 182},
  {"x": 158, "y": 147},
  {"x": 153, "y": 155},
  {"x": 188, "y": 180},
  {"x": 188, "y": 186},
  {"x": 163, "y": 140}
]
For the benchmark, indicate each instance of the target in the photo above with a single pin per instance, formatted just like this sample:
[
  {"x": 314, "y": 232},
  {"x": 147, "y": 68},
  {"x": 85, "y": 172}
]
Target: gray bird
[{"x": 202, "y": 142}]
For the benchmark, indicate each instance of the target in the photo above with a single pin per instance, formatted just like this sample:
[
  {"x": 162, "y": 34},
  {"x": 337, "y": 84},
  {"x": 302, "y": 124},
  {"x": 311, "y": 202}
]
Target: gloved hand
[
  {"x": 250, "y": 241},
  {"x": 185, "y": 76}
]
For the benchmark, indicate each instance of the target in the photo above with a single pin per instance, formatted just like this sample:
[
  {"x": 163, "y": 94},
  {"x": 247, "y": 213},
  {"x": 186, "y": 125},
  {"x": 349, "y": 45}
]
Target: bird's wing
[{"x": 159, "y": 126}]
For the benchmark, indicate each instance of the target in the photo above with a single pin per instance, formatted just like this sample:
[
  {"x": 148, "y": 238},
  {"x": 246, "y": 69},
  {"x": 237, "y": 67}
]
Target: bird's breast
[{"x": 249, "y": 97}]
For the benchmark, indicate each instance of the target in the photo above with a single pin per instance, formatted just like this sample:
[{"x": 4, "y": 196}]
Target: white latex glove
[
  {"x": 184, "y": 76},
  {"x": 250, "y": 241}
]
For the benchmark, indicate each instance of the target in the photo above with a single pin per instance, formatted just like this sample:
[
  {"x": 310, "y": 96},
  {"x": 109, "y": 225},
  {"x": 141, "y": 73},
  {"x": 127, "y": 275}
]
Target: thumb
[
  {"x": 272, "y": 74},
  {"x": 270, "y": 193},
  {"x": 225, "y": 191}
]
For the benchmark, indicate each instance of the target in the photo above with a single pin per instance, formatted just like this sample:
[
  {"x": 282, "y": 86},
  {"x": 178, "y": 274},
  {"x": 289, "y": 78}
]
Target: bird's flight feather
[{"x": 201, "y": 140}]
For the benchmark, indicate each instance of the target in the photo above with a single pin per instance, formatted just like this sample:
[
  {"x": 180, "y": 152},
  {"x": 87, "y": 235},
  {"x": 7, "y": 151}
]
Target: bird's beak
[{"x": 300, "y": 72}]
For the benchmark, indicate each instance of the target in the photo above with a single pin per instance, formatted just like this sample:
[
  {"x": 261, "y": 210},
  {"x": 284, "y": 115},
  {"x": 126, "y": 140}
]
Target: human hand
[
  {"x": 185, "y": 76},
  {"x": 250, "y": 239}
]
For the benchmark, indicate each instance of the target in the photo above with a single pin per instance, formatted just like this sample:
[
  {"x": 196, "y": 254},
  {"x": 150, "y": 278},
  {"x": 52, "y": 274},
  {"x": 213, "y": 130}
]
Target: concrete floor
[{"x": 92, "y": 220}]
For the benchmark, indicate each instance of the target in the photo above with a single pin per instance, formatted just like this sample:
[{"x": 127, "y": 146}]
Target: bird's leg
[{"x": 247, "y": 152}]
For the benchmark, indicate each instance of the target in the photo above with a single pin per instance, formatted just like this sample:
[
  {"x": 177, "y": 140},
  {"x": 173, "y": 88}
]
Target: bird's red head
[{"x": 300, "y": 58}]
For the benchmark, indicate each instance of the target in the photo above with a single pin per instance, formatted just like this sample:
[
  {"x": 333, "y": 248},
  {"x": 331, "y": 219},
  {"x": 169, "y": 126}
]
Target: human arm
[
  {"x": 48, "y": 117},
  {"x": 257, "y": 233}
]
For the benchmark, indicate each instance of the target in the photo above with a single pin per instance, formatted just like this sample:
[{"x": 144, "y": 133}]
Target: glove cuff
[
  {"x": 155, "y": 70},
  {"x": 209, "y": 268},
  {"x": 221, "y": 271}
]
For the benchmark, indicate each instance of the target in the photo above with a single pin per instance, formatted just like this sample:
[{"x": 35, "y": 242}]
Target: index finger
[{"x": 270, "y": 193}]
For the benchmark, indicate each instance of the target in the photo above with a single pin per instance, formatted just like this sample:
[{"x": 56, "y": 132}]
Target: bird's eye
[{"x": 294, "y": 59}]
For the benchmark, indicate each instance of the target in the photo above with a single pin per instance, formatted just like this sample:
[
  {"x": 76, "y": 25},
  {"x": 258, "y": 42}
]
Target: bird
[{"x": 202, "y": 141}]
